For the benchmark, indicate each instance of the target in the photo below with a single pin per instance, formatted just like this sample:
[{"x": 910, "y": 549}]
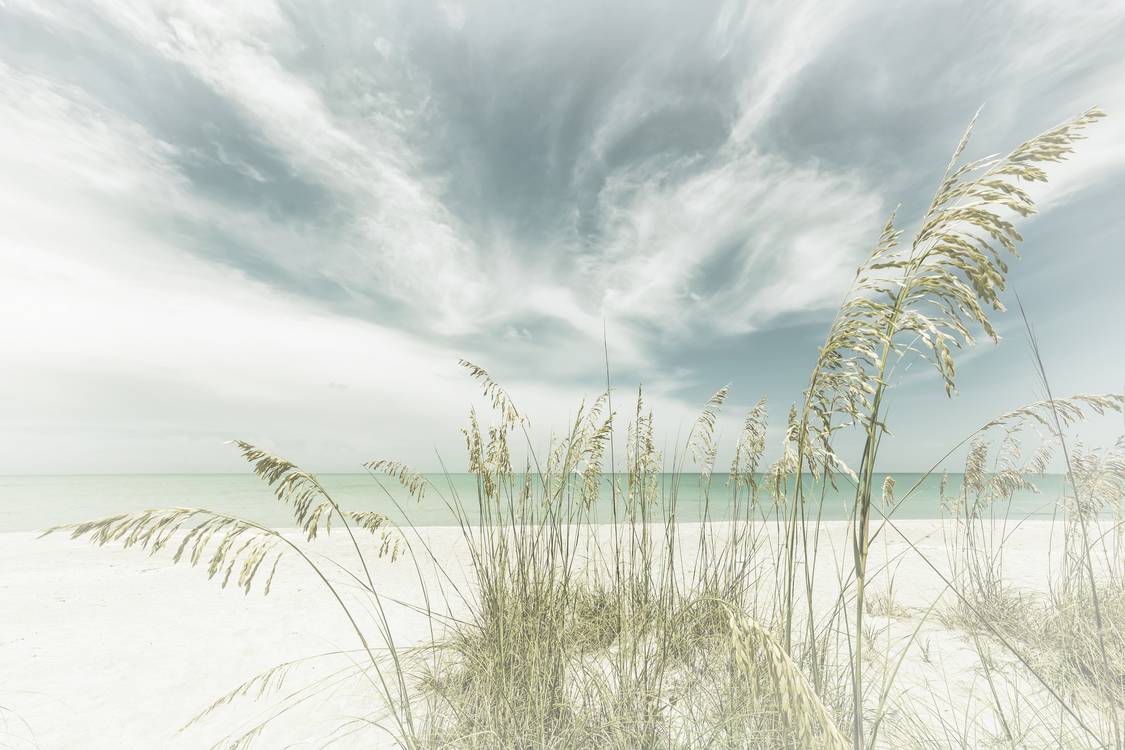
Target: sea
[{"x": 38, "y": 502}]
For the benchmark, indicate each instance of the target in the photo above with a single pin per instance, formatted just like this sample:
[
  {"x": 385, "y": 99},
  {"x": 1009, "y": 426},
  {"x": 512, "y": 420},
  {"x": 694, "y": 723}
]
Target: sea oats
[
  {"x": 702, "y": 438},
  {"x": 750, "y": 446},
  {"x": 414, "y": 482},
  {"x": 499, "y": 398},
  {"x": 227, "y": 543},
  {"x": 801, "y": 707}
]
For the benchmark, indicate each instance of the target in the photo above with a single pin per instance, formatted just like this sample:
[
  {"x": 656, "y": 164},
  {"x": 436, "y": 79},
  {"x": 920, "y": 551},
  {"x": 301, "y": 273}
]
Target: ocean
[{"x": 31, "y": 503}]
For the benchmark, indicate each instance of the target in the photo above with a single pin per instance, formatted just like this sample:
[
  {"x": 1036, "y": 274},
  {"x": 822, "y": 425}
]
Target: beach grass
[{"x": 745, "y": 629}]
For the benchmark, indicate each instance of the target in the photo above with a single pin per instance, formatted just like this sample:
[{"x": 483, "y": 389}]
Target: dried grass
[{"x": 580, "y": 637}]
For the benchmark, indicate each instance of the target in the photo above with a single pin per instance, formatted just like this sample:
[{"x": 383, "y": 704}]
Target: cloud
[
  {"x": 726, "y": 247},
  {"x": 400, "y": 238},
  {"x": 213, "y": 205},
  {"x": 397, "y": 239},
  {"x": 134, "y": 354}
]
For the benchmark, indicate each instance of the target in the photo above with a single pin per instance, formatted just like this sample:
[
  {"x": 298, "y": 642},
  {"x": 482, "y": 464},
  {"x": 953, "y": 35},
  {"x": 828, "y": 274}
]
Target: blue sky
[{"x": 285, "y": 222}]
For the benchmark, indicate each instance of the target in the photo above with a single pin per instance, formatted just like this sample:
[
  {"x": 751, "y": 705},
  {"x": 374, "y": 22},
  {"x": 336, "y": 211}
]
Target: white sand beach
[{"x": 111, "y": 648}]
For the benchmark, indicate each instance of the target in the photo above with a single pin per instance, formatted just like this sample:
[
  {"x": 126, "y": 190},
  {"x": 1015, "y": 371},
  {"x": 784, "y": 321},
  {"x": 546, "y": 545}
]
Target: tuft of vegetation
[{"x": 638, "y": 630}]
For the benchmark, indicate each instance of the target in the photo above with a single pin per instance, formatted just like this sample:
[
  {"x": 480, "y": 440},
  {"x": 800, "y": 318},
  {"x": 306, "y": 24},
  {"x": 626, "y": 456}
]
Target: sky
[{"x": 285, "y": 222}]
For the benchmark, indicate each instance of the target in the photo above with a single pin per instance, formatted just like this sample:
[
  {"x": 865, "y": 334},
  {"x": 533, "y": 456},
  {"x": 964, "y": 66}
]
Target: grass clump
[{"x": 595, "y": 617}]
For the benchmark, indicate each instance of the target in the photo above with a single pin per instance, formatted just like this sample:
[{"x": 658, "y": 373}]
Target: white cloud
[
  {"x": 127, "y": 353},
  {"x": 119, "y": 340},
  {"x": 403, "y": 243},
  {"x": 129, "y": 335},
  {"x": 405, "y": 240},
  {"x": 797, "y": 233},
  {"x": 776, "y": 41},
  {"x": 1069, "y": 38}
]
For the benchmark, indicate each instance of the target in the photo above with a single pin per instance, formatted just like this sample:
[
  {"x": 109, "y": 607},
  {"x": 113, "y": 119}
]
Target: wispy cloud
[
  {"x": 388, "y": 187},
  {"x": 734, "y": 245}
]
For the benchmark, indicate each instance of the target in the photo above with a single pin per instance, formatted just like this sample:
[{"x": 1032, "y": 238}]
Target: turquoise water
[{"x": 29, "y": 503}]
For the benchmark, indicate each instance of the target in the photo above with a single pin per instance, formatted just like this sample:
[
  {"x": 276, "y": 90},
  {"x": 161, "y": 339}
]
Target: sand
[{"x": 110, "y": 648}]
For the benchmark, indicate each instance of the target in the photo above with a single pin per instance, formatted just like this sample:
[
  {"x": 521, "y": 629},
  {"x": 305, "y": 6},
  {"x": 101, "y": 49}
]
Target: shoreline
[{"x": 61, "y": 499}]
